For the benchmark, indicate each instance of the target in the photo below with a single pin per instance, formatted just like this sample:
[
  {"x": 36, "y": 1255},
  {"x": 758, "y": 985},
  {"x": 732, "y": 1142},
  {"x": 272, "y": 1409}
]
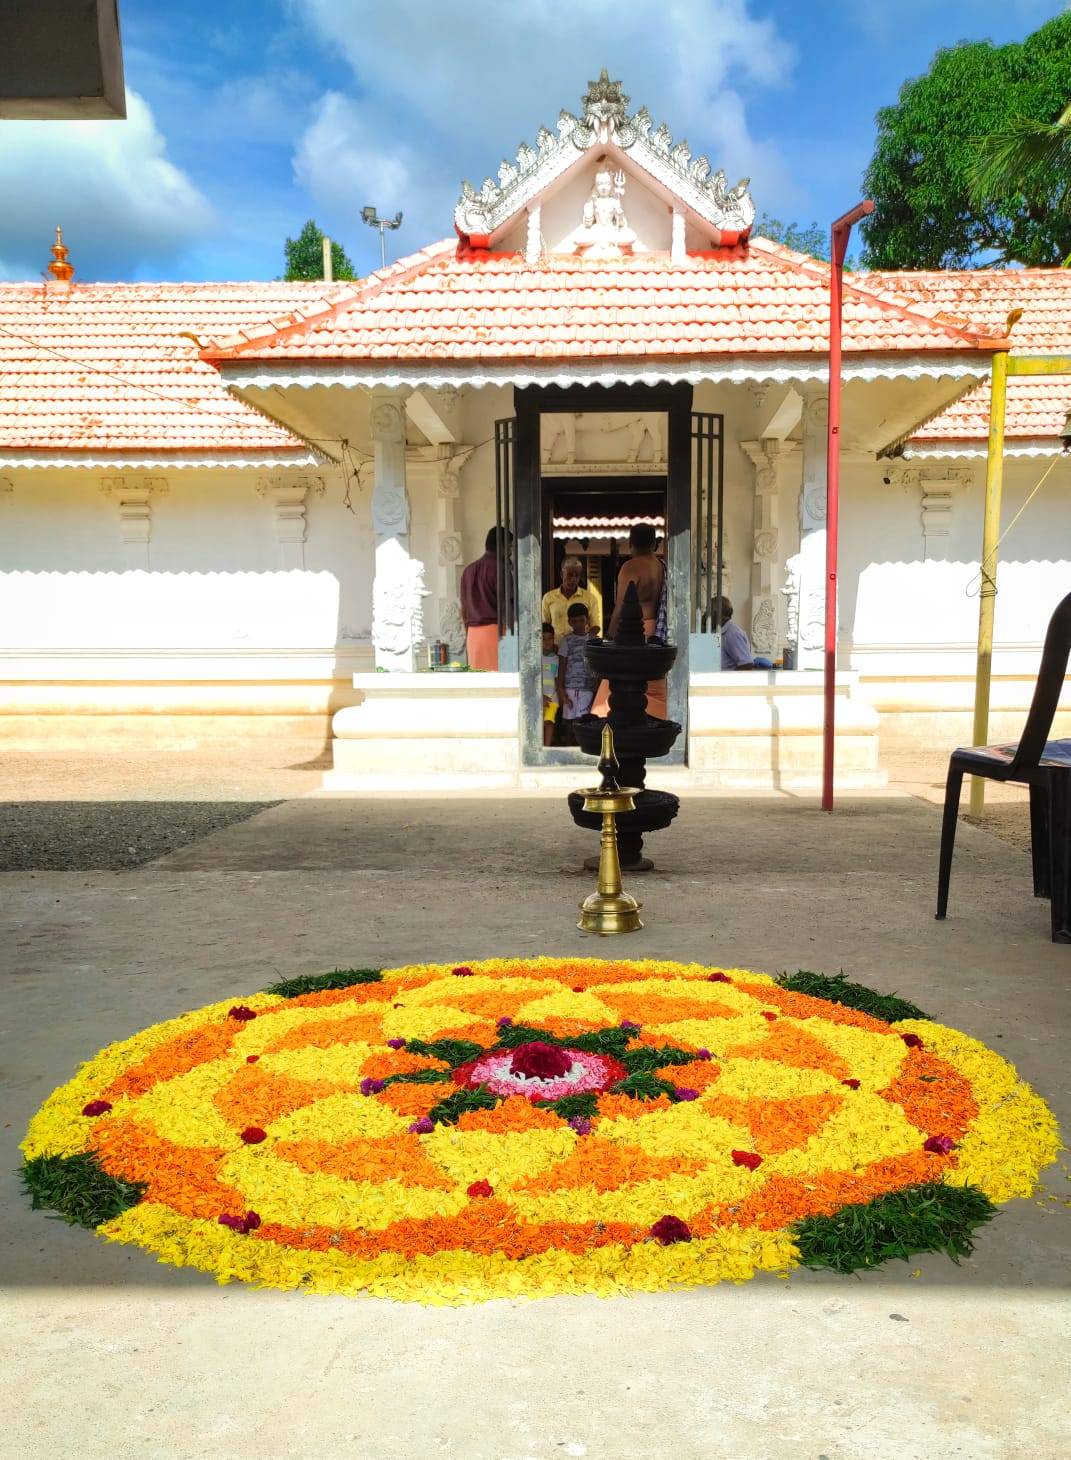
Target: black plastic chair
[{"x": 1042, "y": 764}]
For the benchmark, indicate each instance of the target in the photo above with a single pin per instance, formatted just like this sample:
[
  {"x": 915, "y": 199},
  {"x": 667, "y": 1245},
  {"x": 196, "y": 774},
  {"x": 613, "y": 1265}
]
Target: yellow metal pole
[{"x": 994, "y": 484}]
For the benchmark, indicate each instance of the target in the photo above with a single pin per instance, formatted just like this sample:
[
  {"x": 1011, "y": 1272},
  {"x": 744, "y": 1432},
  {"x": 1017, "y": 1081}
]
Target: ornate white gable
[{"x": 483, "y": 215}]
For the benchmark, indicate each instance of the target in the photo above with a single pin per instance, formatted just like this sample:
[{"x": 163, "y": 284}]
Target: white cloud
[
  {"x": 445, "y": 89},
  {"x": 121, "y": 202}
]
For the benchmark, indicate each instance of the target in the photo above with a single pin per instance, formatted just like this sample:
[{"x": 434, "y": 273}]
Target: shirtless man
[{"x": 646, "y": 571}]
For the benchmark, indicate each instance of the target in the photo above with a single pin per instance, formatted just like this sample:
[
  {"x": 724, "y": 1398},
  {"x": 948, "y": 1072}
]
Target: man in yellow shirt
[{"x": 558, "y": 601}]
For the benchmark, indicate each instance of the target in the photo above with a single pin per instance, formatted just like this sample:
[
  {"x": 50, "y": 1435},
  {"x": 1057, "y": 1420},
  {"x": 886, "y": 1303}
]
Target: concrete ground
[{"x": 107, "y": 1354}]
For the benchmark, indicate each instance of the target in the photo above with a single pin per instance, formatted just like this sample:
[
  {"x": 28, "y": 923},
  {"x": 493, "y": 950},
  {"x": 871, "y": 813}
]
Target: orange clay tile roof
[
  {"x": 103, "y": 368},
  {"x": 451, "y": 306},
  {"x": 1036, "y": 406}
]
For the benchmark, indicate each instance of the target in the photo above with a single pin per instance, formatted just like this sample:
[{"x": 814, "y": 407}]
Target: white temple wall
[
  {"x": 184, "y": 595},
  {"x": 910, "y": 549},
  {"x": 480, "y": 410}
]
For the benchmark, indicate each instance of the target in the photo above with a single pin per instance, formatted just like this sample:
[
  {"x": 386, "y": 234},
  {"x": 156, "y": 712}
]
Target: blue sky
[{"x": 249, "y": 116}]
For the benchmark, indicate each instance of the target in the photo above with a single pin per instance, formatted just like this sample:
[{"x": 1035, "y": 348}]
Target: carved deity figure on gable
[{"x": 604, "y": 232}]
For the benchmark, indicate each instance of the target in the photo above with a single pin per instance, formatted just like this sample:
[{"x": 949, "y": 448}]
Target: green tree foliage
[
  {"x": 305, "y": 256},
  {"x": 811, "y": 239},
  {"x": 924, "y": 174}
]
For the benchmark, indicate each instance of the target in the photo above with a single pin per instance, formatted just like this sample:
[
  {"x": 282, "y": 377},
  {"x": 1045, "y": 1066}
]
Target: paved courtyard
[{"x": 111, "y": 1355}]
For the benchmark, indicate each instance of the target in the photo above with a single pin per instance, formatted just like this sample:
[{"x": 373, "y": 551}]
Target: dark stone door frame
[{"x": 530, "y": 404}]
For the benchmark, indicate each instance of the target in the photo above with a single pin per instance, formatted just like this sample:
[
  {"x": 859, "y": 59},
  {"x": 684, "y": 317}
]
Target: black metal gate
[
  {"x": 506, "y": 523},
  {"x": 708, "y": 500}
]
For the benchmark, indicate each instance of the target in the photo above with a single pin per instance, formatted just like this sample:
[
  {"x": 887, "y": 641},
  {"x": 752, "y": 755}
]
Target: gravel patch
[
  {"x": 1010, "y": 823},
  {"x": 108, "y": 836}
]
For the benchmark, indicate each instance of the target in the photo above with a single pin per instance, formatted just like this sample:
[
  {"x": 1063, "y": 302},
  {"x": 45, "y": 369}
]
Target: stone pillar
[
  {"x": 764, "y": 552},
  {"x": 398, "y": 586},
  {"x": 806, "y": 571},
  {"x": 133, "y": 497},
  {"x": 450, "y": 555},
  {"x": 288, "y": 501}
]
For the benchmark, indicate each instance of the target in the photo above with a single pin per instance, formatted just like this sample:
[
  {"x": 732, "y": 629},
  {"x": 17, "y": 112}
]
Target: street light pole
[
  {"x": 372, "y": 218},
  {"x": 838, "y": 248}
]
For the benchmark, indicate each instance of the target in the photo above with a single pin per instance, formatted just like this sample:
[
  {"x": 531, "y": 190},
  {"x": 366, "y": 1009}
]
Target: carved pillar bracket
[
  {"x": 533, "y": 244},
  {"x": 677, "y": 249},
  {"x": 133, "y": 497},
  {"x": 398, "y": 590},
  {"x": 805, "y": 571},
  {"x": 289, "y": 499},
  {"x": 765, "y": 558},
  {"x": 451, "y": 459}
]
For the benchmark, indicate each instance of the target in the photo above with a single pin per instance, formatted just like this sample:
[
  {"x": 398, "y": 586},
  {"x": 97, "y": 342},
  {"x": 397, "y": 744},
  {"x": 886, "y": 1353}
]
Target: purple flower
[
  {"x": 97, "y": 1107},
  {"x": 939, "y": 1145},
  {"x": 395, "y": 1043},
  {"x": 702, "y": 1054},
  {"x": 505, "y": 1022},
  {"x": 249, "y": 1223},
  {"x": 581, "y": 1124},
  {"x": 422, "y": 1127},
  {"x": 671, "y": 1229},
  {"x": 683, "y": 1092},
  {"x": 629, "y": 1027},
  {"x": 372, "y": 1087}
]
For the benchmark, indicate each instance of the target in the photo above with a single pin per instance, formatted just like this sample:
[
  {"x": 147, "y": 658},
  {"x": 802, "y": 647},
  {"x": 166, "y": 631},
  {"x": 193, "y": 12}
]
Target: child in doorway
[
  {"x": 576, "y": 683},
  {"x": 551, "y": 699}
]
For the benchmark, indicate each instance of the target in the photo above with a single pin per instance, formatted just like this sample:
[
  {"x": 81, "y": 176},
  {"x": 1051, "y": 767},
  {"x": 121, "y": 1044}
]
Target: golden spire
[{"x": 59, "y": 268}]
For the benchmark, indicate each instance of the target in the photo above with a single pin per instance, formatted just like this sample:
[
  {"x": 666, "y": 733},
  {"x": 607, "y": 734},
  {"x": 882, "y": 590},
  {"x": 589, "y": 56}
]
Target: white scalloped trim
[{"x": 732, "y": 370}]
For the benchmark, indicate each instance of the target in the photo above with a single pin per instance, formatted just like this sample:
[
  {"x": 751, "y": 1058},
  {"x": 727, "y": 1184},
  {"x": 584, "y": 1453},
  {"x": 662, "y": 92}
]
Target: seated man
[{"x": 735, "y": 645}]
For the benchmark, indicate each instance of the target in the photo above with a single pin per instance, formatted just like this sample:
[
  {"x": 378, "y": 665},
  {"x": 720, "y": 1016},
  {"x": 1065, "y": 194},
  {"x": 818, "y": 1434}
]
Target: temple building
[{"x": 238, "y": 510}]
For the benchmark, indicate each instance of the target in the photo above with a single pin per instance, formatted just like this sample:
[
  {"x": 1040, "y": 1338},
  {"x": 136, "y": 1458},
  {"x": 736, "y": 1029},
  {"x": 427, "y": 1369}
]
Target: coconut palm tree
[{"x": 1029, "y": 157}]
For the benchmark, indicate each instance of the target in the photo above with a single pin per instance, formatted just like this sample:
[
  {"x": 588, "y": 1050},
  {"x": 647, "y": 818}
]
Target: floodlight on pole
[{"x": 372, "y": 218}]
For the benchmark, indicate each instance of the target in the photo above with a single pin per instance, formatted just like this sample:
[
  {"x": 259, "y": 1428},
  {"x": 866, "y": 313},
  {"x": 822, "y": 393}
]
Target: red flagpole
[{"x": 838, "y": 247}]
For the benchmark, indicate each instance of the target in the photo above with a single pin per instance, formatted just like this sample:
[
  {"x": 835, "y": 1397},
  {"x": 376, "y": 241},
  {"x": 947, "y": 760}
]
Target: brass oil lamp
[{"x": 609, "y": 909}]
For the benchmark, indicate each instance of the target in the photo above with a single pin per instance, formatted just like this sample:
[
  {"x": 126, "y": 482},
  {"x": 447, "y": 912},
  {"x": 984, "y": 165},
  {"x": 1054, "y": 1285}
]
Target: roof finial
[{"x": 62, "y": 272}]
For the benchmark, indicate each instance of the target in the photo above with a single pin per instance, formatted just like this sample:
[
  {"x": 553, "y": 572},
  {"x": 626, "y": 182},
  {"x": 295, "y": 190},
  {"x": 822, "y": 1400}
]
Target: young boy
[
  {"x": 576, "y": 683},
  {"x": 551, "y": 698}
]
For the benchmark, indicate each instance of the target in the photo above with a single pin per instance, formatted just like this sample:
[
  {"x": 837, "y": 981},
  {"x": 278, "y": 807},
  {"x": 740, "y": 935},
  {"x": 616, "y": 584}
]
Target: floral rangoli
[{"x": 448, "y": 1133}]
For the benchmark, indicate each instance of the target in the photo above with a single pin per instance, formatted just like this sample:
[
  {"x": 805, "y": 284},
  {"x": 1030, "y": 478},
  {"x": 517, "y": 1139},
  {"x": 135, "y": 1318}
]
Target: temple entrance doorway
[
  {"x": 590, "y": 518},
  {"x": 575, "y": 453}
]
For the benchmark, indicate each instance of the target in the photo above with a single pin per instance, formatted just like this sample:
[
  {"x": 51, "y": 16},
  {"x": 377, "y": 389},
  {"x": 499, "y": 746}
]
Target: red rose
[
  {"x": 851, "y": 1084},
  {"x": 463, "y": 972},
  {"x": 746, "y": 1158},
  {"x": 97, "y": 1107},
  {"x": 253, "y": 1135},
  {"x": 251, "y": 1059},
  {"x": 718, "y": 978},
  {"x": 540, "y": 1061},
  {"x": 912, "y": 1041},
  {"x": 241, "y": 1011},
  {"x": 481, "y": 1188},
  {"x": 671, "y": 1229},
  {"x": 767, "y": 1015}
]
